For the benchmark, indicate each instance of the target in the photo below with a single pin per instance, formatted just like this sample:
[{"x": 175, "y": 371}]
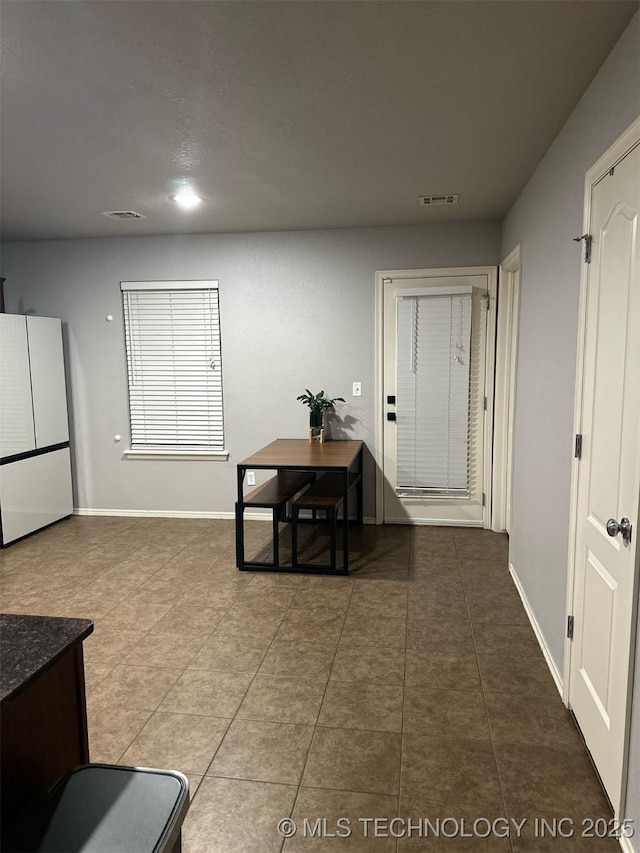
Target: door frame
[
  {"x": 505, "y": 384},
  {"x": 620, "y": 148},
  {"x": 381, "y": 278}
]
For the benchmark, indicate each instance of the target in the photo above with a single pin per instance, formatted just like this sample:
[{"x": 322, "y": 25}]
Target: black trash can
[{"x": 105, "y": 808}]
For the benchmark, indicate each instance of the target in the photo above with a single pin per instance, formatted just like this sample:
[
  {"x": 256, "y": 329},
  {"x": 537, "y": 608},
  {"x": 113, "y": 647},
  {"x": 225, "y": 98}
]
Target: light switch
[{"x": 357, "y": 389}]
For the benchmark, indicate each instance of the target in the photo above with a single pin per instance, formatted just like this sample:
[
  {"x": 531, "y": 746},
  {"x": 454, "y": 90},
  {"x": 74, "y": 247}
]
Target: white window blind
[
  {"x": 432, "y": 391},
  {"x": 172, "y": 334}
]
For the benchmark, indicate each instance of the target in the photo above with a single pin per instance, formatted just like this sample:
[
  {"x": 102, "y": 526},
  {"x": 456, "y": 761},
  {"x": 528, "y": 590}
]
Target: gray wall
[
  {"x": 297, "y": 311},
  {"x": 545, "y": 218}
]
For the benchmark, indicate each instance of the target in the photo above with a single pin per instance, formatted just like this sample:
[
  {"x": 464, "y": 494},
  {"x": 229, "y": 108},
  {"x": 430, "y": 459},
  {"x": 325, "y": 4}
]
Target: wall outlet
[
  {"x": 251, "y": 478},
  {"x": 357, "y": 389}
]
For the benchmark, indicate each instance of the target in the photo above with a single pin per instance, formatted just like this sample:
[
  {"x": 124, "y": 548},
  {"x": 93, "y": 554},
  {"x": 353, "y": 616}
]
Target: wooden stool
[{"x": 326, "y": 495}]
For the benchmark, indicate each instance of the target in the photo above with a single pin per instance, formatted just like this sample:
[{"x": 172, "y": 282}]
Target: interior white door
[
  {"x": 434, "y": 374},
  {"x": 608, "y": 475}
]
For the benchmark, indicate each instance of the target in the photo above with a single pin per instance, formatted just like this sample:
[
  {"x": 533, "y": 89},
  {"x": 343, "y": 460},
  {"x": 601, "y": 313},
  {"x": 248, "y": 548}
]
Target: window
[
  {"x": 174, "y": 367},
  {"x": 433, "y": 386}
]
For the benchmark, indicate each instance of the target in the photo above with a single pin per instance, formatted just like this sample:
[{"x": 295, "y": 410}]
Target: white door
[
  {"x": 435, "y": 382},
  {"x": 608, "y": 475}
]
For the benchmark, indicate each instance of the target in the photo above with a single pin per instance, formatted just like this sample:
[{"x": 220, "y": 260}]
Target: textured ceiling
[{"x": 283, "y": 115}]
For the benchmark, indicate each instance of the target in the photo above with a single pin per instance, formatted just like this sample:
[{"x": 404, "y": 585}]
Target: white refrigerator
[{"x": 35, "y": 461}]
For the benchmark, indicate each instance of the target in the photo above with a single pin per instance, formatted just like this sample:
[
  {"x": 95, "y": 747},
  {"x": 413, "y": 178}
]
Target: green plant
[{"x": 318, "y": 403}]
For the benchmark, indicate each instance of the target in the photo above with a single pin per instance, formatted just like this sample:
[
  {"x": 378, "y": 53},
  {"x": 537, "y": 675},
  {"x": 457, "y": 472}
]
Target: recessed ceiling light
[{"x": 186, "y": 199}]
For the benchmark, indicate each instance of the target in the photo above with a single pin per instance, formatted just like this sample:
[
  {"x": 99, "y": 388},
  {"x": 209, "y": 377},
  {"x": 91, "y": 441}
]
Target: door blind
[
  {"x": 432, "y": 388},
  {"x": 172, "y": 334}
]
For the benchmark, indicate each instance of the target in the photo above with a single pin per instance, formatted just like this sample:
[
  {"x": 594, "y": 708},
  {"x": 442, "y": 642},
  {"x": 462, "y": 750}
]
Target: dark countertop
[{"x": 31, "y": 644}]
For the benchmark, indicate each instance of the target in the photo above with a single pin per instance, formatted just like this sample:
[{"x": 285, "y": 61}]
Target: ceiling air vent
[
  {"x": 428, "y": 200},
  {"x": 122, "y": 214}
]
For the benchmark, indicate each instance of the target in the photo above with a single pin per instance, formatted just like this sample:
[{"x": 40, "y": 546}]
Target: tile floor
[{"x": 413, "y": 688}]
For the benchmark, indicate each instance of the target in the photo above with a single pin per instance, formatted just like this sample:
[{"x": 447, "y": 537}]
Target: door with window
[{"x": 437, "y": 371}]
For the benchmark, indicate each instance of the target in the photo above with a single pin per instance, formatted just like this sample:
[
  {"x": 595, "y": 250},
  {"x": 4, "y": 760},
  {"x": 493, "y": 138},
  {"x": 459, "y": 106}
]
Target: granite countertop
[{"x": 31, "y": 644}]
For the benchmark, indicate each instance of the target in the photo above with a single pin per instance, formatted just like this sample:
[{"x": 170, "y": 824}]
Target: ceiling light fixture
[{"x": 186, "y": 199}]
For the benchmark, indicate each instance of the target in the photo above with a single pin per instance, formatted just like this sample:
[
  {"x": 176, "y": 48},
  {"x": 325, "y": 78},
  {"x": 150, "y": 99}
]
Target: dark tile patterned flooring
[{"x": 412, "y": 689}]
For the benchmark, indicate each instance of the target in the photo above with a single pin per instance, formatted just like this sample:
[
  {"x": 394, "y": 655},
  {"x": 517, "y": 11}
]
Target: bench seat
[
  {"x": 327, "y": 495},
  {"x": 275, "y": 494},
  {"x": 325, "y": 492}
]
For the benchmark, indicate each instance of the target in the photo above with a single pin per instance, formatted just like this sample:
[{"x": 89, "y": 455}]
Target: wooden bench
[
  {"x": 275, "y": 494},
  {"x": 327, "y": 495}
]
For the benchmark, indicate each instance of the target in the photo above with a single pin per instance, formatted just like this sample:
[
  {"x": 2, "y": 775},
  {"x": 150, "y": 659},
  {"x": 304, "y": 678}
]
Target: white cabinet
[
  {"x": 17, "y": 433},
  {"x": 35, "y": 465},
  {"x": 48, "y": 384},
  {"x": 36, "y": 491}
]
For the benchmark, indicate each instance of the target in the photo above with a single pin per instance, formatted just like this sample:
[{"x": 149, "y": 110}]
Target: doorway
[
  {"x": 603, "y": 558},
  {"x": 505, "y": 394},
  {"x": 435, "y": 367}
]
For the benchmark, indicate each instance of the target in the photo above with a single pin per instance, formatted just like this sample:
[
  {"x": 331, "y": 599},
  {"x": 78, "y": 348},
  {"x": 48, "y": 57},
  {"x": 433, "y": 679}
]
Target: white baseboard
[
  {"x": 435, "y": 522},
  {"x": 536, "y": 629},
  {"x": 626, "y": 844},
  {"x": 162, "y": 513}
]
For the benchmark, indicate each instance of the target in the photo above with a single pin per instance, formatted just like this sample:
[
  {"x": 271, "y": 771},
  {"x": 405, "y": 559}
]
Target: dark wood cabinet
[{"x": 43, "y": 715}]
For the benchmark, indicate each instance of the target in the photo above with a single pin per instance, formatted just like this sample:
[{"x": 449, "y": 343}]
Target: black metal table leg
[
  {"x": 276, "y": 538},
  {"x": 294, "y": 536},
  {"x": 240, "y": 520},
  {"x": 334, "y": 537},
  {"x": 345, "y": 520},
  {"x": 359, "y": 489}
]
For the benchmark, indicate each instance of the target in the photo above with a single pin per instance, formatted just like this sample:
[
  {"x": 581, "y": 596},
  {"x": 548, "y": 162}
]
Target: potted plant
[{"x": 318, "y": 405}]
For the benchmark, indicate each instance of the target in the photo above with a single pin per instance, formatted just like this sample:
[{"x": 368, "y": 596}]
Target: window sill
[{"x": 179, "y": 455}]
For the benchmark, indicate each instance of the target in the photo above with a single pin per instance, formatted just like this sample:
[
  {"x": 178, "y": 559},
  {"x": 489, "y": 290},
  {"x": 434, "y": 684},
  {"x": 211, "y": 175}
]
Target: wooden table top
[{"x": 300, "y": 452}]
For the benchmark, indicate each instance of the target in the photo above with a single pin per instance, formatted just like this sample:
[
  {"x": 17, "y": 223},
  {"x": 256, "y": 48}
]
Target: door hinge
[
  {"x": 587, "y": 246},
  {"x": 570, "y": 627},
  {"x": 578, "y": 450},
  {"x": 484, "y": 499},
  {"x": 485, "y": 404}
]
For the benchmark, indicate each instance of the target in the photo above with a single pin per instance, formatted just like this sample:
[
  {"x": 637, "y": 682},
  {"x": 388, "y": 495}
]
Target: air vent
[
  {"x": 122, "y": 214},
  {"x": 428, "y": 200}
]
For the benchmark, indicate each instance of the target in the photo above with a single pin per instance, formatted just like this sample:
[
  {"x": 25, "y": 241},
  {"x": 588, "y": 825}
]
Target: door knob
[{"x": 623, "y": 527}]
